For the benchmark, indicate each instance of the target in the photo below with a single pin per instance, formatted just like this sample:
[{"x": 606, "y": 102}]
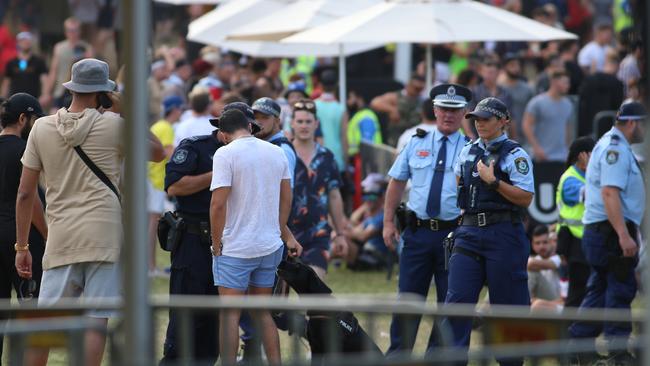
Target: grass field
[{"x": 341, "y": 280}]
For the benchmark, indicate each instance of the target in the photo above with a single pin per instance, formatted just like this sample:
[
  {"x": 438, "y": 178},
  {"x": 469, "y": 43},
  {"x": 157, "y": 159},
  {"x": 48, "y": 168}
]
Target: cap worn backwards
[
  {"x": 450, "y": 96},
  {"x": 23, "y": 103}
]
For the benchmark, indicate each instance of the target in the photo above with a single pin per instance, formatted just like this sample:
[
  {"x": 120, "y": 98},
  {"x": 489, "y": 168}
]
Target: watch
[
  {"x": 214, "y": 254},
  {"x": 495, "y": 184}
]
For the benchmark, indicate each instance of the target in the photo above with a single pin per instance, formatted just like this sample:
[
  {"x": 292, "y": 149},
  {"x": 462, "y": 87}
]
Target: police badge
[
  {"x": 179, "y": 156},
  {"x": 612, "y": 157},
  {"x": 521, "y": 164}
]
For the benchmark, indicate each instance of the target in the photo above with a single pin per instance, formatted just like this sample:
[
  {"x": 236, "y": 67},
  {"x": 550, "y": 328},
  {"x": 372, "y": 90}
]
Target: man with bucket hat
[{"x": 80, "y": 153}]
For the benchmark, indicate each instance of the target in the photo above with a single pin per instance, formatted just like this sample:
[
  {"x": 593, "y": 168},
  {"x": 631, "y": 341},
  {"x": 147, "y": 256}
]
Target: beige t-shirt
[{"x": 84, "y": 216}]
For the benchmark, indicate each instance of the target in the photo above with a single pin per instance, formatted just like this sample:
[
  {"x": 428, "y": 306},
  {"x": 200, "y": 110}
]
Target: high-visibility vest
[
  {"x": 570, "y": 216},
  {"x": 354, "y": 133}
]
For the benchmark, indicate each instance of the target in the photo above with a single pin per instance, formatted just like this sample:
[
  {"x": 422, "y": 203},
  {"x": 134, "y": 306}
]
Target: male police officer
[
  {"x": 427, "y": 160},
  {"x": 614, "y": 208},
  {"x": 495, "y": 182},
  {"x": 188, "y": 176}
]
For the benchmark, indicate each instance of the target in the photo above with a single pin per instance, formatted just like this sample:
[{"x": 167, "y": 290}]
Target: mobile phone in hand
[{"x": 105, "y": 101}]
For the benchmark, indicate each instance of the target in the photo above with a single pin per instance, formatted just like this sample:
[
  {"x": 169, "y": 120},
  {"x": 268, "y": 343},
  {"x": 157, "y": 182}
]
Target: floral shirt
[{"x": 311, "y": 195}]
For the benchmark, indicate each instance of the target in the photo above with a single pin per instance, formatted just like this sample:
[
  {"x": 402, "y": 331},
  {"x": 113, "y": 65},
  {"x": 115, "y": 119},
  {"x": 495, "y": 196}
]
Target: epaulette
[
  {"x": 191, "y": 139},
  {"x": 420, "y": 133},
  {"x": 615, "y": 140}
]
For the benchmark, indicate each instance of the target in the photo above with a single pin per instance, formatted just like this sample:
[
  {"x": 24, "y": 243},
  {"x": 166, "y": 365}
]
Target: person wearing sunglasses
[
  {"x": 317, "y": 190},
  {"x": 17, "y": 115}
]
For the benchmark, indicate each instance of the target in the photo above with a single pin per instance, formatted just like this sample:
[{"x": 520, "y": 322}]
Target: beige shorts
[{"x": 93, "y": 281}]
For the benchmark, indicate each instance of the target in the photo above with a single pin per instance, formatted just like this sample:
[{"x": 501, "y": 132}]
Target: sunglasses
[{"x": 304, "y": 106}]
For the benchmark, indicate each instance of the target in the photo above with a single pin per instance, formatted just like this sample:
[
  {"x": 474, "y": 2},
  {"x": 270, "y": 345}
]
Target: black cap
[
  {"x": 245, "y": 109},
  {"x": 450, "y": 96},
  {"x": 267, "y": 106},
  {"x": 631, "y": 111},
  {"x": 328, "y": 77},
  {"x": 511, "y": 56},
  {"x": 23, "y": 103},
  {"x": 489, "y": 107}
]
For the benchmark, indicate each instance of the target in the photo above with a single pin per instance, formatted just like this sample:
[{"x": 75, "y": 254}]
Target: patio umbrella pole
[
  {"x": 342, "y": 77},
  {"x": 429, "y": 60}
]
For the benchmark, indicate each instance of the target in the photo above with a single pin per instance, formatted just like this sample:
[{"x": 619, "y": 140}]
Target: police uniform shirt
[
  {"x": 289, "y": 153},
  {"x": 416, "y": 162},
  {"x": 613, "y": 164},
  {"x": 516, "y": 164},
  {"x": 193, "y": 156}
]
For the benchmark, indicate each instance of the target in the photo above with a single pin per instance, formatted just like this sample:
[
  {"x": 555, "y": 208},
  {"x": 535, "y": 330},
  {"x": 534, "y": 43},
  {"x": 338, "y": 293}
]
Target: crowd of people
[{"x": 250, "y": 153}]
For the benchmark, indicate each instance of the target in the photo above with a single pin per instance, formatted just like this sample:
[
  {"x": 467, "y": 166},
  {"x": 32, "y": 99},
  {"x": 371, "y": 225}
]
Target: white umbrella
[
  {"x": 215, "y": 25},
  {"x": 307, "y": 14},
  {"x": 430, "y": 21},
  {"x": 190, "y": 2},
  {"x": 276, "y": 49},
  {"x": 303, "y": 14}
]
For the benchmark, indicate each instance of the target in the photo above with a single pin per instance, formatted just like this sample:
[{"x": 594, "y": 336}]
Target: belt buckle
[
  {"x": 433, "y": 225},
  {"x": 481, "y": 219}
]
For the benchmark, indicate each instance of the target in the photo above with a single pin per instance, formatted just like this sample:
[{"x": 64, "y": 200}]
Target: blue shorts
[{"x": 240, "y": 273}]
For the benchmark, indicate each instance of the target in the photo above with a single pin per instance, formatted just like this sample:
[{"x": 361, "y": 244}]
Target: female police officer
[{"x": 495, "y": 182}]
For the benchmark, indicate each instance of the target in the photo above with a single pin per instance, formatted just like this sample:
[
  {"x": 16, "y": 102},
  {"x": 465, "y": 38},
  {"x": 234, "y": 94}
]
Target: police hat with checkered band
[
  {"x": 489, "y": 107},
  {"x": 450, "y": 96}
]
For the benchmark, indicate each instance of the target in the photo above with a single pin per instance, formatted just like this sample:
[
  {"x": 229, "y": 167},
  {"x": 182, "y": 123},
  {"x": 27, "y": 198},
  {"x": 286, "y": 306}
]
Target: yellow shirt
[{"x": 165, "y": 133}]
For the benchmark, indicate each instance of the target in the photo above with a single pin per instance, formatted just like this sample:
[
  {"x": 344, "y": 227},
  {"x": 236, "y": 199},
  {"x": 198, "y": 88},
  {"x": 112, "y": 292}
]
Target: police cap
[
  {"x": 631, "y": 111},
  {"x": 450, "y": 96},
  {"x": 245, "y": 109},
  {"x": 489, "y": 107},
  {"x": 267, "y": 106}
]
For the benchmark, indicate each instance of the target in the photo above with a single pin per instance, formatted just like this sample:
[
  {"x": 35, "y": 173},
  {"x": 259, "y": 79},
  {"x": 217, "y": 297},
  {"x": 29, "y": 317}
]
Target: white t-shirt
[
  {"x": 408, "y": 134},
  {"x": 254, "y": 169},
  {"x": 593, "y": 52},
  {"x": 191, "y": 125}
]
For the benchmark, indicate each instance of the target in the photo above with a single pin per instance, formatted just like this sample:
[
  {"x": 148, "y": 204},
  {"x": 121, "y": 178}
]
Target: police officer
[
  {"x": 187, "y": 177},
  {"x": 570, "y": 200},
  {"x": 495, "y": 183},
  {"x": 431, "y": 213},
  {"x": 614, "y": 208}
]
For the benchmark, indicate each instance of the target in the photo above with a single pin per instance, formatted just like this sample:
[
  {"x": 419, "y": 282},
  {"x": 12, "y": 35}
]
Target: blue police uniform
[
  {"x": 612, "y": 164},
  {"x": 427, "y": 161},
  {"x": 491, "y": 244},
  {"x": 191, "y": 262}
]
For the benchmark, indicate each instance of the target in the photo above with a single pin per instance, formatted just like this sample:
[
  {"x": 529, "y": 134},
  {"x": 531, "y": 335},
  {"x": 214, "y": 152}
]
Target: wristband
[{"x": 21, "y": 248}]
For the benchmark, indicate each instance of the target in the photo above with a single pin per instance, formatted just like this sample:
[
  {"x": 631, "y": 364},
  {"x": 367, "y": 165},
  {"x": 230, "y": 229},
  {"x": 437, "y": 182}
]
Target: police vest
[
  {"x": 354, "y": 132},
  {"x": 474, "y": 195},
  {"x": 570, "y": 216}
]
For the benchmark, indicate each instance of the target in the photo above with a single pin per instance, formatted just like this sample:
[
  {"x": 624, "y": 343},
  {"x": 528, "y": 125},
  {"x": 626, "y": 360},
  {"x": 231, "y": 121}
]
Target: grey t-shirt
[
  {"x": 520, "y": 93},
  {"x": 551, "y": 120}
]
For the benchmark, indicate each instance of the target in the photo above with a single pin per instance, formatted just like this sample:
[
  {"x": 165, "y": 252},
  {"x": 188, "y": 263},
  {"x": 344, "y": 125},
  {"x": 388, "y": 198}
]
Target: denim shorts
[{"x": 240, "y": 273}]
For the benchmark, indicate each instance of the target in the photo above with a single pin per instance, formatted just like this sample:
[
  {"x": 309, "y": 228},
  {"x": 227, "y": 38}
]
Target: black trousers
[
  {"x": 192, "y": 275},
  {"x": 8, "y": 276},
  {"x": 578, "y": 276}
]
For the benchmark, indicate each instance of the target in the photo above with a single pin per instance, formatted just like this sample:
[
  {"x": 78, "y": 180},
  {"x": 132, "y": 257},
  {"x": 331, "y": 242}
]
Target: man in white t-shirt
[
  {"x": 592, "y": 56},
  {"x": 251, "y": 201},
  {"x": 543, "y": 276}
]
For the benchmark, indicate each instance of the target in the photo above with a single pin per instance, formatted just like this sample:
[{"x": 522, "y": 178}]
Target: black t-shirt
[
  {"x": 11, "y": 150},
  {"x": 26, "y": 76}
]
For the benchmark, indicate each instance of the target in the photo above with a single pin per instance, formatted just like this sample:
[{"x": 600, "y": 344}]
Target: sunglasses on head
[{"x": 304, "y": 106}]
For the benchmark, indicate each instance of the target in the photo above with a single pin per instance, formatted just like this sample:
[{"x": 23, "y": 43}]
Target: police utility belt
[
  {"x": 172, "y": 226},
  {"x": 488, "y": 218},
  {"x": 409, "y": 219}
]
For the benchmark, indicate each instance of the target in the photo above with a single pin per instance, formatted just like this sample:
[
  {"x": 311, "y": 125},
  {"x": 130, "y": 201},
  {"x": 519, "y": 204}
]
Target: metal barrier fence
[{"x": 508, "y": 331}]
